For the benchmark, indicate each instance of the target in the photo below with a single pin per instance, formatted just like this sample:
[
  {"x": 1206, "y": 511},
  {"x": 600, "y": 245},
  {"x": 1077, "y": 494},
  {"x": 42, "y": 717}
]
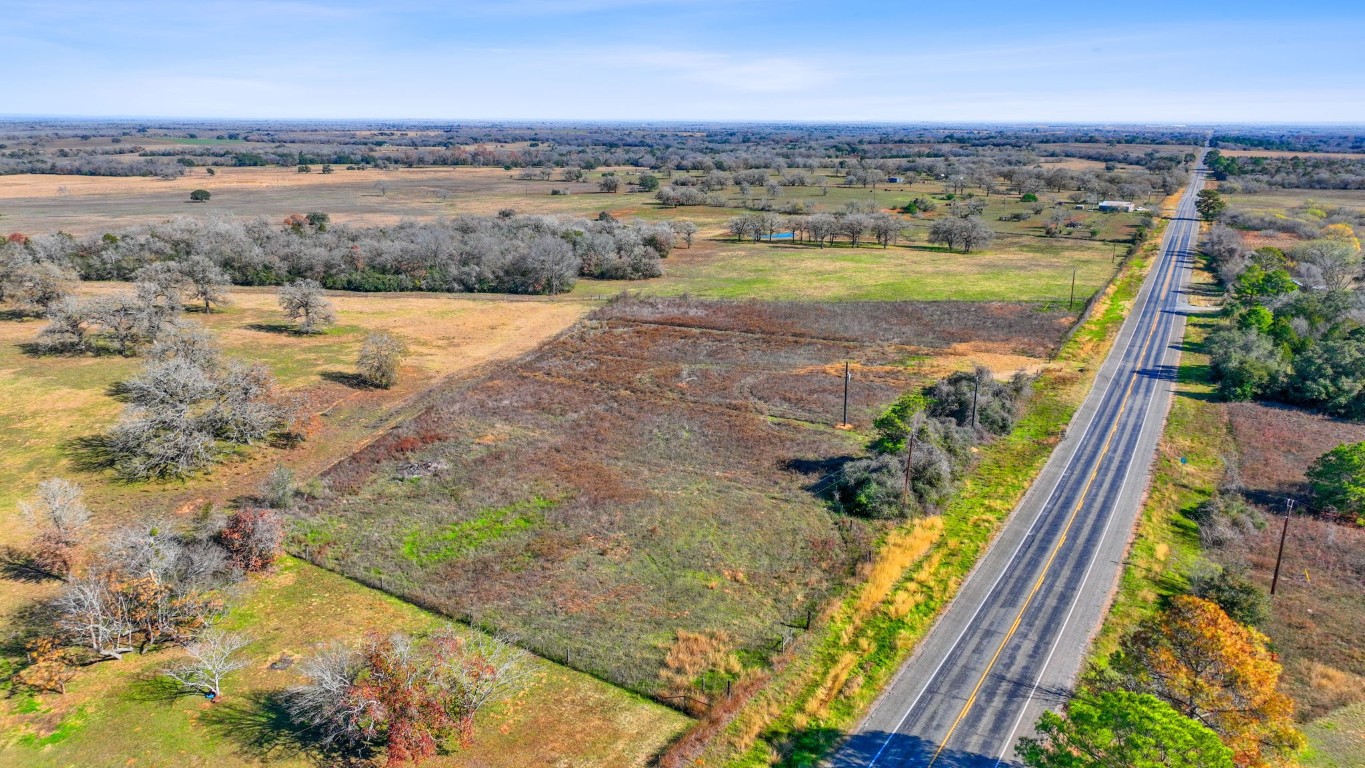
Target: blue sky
[{"x": 1157, "y": 61}]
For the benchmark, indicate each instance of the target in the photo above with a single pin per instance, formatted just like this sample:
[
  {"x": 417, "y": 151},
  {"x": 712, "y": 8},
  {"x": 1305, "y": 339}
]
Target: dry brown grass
[
  {"x": 903, "y": 548},
  {"x": 1317, "y": 614},
  {"x": 1278, "y": 442},
  {"x": 610, "y": 489},
  {"x": 93, "y": 204}
]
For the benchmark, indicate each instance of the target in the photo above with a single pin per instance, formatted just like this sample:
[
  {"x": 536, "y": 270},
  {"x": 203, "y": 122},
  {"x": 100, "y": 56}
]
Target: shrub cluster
[
  {"x": 147, "y": 585},
  {"x": 933, "y": 432}
]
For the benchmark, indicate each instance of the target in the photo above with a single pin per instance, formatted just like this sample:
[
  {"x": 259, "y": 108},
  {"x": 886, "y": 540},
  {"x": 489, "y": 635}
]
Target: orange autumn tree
[{"x": 1216, "y": 671}]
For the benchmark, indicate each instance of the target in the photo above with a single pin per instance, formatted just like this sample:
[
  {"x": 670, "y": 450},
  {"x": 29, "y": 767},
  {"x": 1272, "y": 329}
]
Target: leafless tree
[
  {"x": 59, "y": 518},
  {"x": 207, "y": 282},
  {"x": 188, "y": 342},
  {"x": 885, "y": 228},
  {"x": 33, "y": 287},
  {"x": 822, "y": 227},
  {"x": 302, "y": 301},
  {"x": 854, "y": 226},
  {"x": 687, "y": 230},
  {"x": 93, "y": 613},
  {"x": 212, "y": 657},
  {"x": 609, "y": 184},
  {"x": 180, "y": 408},
  {"x": 967, "y": 234},
  {"x": 1332, "y": 264}
]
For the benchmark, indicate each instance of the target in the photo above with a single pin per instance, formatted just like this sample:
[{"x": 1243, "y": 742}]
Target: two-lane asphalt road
[{"x": 1012, "y": 641}]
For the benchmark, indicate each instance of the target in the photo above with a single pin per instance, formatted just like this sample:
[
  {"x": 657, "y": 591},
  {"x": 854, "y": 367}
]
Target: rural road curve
[{"x": 1012, "y": 641}]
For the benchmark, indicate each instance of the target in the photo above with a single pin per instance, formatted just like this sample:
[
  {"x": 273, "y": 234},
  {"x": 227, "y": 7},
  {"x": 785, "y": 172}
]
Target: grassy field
[
  {"x": 1280, "y": 201},
  {"x": 46, "y": 401},
  {"x": 110, "y": 716},
  {"x": 1017, "y": 268},
  {"x": 118, "y": 714},
  {"x": 648, "y": 475}
]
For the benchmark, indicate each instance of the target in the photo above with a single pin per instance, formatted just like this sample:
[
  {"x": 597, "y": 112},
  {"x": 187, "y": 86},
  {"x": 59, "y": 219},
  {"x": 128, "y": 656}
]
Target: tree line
[{"x": 504, "y": 253}]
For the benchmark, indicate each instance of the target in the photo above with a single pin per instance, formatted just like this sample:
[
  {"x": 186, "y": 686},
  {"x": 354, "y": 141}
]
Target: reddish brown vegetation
[
  {"x": 1278, "y": 442},
  {"x": 596, "y": 499},
  {"x": 252, "y": 538}
]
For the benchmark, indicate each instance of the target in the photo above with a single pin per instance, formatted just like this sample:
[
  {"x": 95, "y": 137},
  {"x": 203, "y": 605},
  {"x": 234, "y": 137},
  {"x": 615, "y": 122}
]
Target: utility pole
[
  {"x": 1070, "y": 302},
  {"x": 1284, "y": 532},
  {"x": 847, "y": 378},
  {"x": 909, "y": 459},
  {"x": 975, "y": 392}
]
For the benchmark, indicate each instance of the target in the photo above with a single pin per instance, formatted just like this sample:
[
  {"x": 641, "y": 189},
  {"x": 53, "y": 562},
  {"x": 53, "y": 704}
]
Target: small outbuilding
[{"x": 1109, "y": 206}]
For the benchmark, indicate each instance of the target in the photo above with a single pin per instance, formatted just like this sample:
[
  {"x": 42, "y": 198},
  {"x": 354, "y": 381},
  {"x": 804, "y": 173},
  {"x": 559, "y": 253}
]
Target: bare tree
[
  {"x": 1332, "y": 264},
  {"x": 609, "y": 184},
  {"x": 180, "y": 408},
  {"x": 91, "y": 612},
  {"x": 166, "y": 279},
  {"x": 685, "y": 229},
  {"x": 968, "y": 234},
  {"x": 302, "y": 301},
  {"x": 854, "y": 226},
  {"x": 212, "y": 656},
  {"x": 33, "y": 287},
  {"x": 59, "y": 518},
  {"x": 380, "y": 356},
  {"x": 188, "y": 342},
  {"x": 207, "y": 282},
  {"x": 886, "y": 228}
]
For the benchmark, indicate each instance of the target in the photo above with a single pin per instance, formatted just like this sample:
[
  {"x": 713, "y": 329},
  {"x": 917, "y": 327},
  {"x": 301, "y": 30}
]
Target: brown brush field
[{"x": 651, "y": 473}]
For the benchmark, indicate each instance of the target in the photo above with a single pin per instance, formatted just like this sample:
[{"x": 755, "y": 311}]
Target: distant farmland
[{"x": 652, "y": 472}]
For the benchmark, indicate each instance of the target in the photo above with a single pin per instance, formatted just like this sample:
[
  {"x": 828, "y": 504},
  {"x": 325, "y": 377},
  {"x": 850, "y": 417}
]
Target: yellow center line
[{"x": 1075, "y": 511}]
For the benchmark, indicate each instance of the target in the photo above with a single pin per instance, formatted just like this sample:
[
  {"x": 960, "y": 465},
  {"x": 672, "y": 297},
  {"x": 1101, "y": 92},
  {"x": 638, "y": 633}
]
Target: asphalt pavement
[{"x": 1011, "y": 643}]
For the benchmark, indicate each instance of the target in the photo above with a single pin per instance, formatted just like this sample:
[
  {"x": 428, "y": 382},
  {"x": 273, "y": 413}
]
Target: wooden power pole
[
  {"x": 847, "y": 378},
  {"x": 1284, "y": 532}
]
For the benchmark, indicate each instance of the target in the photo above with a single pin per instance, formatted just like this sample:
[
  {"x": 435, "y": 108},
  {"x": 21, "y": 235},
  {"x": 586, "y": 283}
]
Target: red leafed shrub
[
  {"x": 252, "y": 538},
  {"x": 18, "y": 237},
  {"x": 409, "y": 696}
]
